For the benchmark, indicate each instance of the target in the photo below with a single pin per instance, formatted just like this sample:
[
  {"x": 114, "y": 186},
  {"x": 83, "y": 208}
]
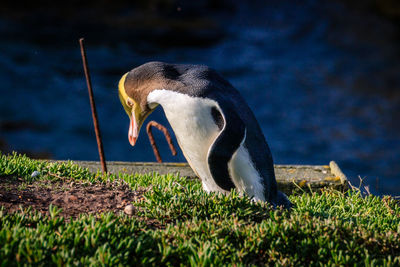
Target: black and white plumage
[{"x": 215, "y": 128}]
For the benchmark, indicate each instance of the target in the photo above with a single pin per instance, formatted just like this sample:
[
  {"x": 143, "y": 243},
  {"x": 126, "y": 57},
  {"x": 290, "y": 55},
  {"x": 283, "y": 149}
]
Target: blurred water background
[{"x": 322, "y": 77}]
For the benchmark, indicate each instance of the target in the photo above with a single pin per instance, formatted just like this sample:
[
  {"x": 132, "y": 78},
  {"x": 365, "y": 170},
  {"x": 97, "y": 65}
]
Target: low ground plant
[{"x": 176, "y": 223}]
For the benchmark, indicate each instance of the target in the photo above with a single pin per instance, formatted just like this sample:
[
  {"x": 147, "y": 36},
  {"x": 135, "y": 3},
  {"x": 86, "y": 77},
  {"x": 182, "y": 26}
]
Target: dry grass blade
[{"x": 153, "y": 142}]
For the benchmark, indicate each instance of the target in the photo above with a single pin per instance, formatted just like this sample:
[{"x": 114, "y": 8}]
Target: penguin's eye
[{"x": 129, "y": 103}]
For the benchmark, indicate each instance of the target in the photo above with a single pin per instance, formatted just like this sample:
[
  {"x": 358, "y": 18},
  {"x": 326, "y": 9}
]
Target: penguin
[{"x": 215, "y": 128}]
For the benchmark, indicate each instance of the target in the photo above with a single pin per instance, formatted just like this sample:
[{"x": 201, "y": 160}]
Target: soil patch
[{"x": 72, "y": 196}]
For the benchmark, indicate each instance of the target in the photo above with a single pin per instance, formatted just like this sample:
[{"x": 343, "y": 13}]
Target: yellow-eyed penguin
[{"x": 216, "y": 130}]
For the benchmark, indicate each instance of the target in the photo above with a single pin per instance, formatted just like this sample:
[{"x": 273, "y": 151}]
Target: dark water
[{"x": 322, "y": 81}]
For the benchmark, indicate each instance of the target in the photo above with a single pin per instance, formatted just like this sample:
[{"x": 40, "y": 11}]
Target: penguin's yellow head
[{"x": 136, "y": 109}]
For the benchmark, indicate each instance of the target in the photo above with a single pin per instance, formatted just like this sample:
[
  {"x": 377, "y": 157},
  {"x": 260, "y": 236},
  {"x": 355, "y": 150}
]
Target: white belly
[{"x": 194, "y": 128}]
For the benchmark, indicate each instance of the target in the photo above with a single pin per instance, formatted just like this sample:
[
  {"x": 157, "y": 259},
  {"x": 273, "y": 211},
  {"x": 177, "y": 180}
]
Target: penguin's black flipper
[{"x": 225, "y": 145}]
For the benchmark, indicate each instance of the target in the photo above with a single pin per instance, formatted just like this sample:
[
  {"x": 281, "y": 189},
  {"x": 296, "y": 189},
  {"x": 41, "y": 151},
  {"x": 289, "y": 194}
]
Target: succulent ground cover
[{"x": 63, "y": 214}]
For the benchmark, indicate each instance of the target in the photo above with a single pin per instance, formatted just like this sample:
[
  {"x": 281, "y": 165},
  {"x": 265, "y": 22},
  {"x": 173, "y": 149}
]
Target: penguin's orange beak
[
  {"x": 133, "y": 130},
  {"x": 137, "y": 117}
]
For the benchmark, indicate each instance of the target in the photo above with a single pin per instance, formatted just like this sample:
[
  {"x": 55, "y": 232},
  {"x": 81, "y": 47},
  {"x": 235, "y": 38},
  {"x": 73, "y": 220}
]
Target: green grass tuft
[{"x": 179, "y": 224}]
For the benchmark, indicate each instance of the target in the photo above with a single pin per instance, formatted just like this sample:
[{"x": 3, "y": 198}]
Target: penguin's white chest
[{"x": 194, "y": 128}]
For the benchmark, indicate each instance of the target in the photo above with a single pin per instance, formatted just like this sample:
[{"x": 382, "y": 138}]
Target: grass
[{"x": 179, "y": 224}]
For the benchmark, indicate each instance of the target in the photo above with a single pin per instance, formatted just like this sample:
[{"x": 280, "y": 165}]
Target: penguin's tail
[{"x": 282, "y": 200}]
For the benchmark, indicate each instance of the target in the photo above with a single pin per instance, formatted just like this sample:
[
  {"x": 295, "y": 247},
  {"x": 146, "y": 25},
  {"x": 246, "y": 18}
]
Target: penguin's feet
[{"x": 282, "y": 200}]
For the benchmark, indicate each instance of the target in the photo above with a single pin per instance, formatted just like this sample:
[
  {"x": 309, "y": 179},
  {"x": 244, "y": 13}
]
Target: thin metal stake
[{"x": 93, "y": 106}]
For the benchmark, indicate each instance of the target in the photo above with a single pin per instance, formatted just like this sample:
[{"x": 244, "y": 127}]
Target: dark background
[{"x": 322, "y": 77}]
